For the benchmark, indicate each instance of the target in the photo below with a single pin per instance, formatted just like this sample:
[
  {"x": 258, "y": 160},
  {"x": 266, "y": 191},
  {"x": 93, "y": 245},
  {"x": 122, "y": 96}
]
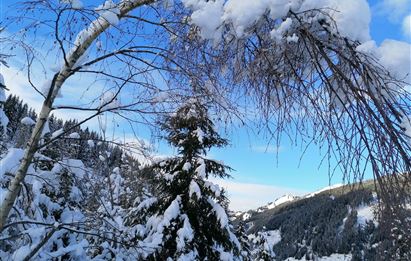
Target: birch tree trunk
[{"x": 95, "y": 28}]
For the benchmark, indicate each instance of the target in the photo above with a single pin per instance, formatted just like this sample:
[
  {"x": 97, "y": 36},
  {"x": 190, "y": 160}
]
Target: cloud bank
[{"x": 245, "y": 196}]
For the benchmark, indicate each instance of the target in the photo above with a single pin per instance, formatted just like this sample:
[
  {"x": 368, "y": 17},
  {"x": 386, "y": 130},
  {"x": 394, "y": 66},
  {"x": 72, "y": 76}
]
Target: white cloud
[
  {"x": 245, "y": 196},
  {"x": 395, "y": 56},
  {"x": 406, "y": 26},
  {"x": 267, "y": 149},
  {"x": 394, "y": 9},
  {"x": 18, "y": 84}
]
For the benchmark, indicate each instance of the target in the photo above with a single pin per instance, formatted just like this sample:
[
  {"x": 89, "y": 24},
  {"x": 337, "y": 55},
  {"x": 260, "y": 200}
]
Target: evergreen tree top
[{"x": 191, "y": 130}]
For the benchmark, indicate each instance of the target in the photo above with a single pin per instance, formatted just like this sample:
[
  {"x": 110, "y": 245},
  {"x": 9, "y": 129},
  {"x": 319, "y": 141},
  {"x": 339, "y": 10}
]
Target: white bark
[{"x": 95, "y": 29}]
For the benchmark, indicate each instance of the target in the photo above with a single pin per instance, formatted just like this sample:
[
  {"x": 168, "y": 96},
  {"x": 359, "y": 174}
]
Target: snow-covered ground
[
  {"x": 323, "y": 189},
  {"x": 333, "y": 257},
  {"x": 281, "y": 200},
  {"x": 365, "y": 213}
]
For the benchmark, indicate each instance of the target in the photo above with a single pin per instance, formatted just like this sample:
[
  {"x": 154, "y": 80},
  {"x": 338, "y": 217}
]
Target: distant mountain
[{"x": 335, "y": 223}]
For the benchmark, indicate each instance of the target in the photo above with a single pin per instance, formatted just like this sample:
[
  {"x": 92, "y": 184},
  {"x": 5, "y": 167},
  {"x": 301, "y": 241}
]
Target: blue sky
[{"x": 259, "y": 175}]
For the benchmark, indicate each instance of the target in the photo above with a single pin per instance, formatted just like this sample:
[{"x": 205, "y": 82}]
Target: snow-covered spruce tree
[
  {"x": 244, "y": 240},
  {"x": 64, "y": 210},
  {"x": 263, "y": 243},
  {"x": 187, "y": 218}
]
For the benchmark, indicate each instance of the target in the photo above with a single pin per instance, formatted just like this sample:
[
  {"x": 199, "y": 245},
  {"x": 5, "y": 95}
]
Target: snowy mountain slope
[
  {"x": 244, "y": 215},
  {"x": 334, "y": 223},
  {"x": 328, "y": 188},
  {"x": 281, "y": 200}
]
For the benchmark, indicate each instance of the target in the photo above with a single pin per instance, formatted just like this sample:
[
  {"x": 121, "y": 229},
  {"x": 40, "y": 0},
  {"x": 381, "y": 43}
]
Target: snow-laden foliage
[
  {"x": 187, "y": 217},
  {"x": 72, "y": 205},
  {"x": 350, "y": 18},
  {"x": 4, "y": 120}
]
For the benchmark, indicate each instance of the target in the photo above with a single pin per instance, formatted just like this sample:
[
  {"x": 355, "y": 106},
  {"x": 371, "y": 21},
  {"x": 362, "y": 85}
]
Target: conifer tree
[
  {"x": 244, "y": 241},
  {"x": 3, "y": 118},
  {"x": 187, "y": 218},
  {"x": 263, "y": 248}
]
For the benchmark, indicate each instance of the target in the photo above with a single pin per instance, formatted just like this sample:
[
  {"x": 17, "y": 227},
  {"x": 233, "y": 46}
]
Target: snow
[
  {"x": 209, "y": 28},
  {"x": 75, "y": 166},
  {"x": 278, "y": 34},
  {"x": 91, "y": 143},
  {"x": 71, "y": 216},
  {"x": 77, "y": 249},
  {"x": 2, "y": 91},
  {"x": 187, "y": 166},
  {"x": 201, "y": 170},
  {"x": 2, "y": 84},
  {"x": 171, "y": 212},
  {"x": 184, "y": 234},
  {"x": 332, "y": 257},
  {"x": 4, "y": 121},
  {"x": 11, "y": 161},
  {"x": 226, "y": 256},
  {"x": 75, "y": 4},
  {"x": 3, "y": 97},
  {"x": 9, "y": 164},
  {"x": 28, "y": 121},
  {"x": 156, "y": 224},
  {"x": 323, "y": 189},
  {"x": 272, "y": 238},
  {"x": 194, "y": 189},
  {"x": 21, "y": 253},
  {"x": 292, "y": 39},
  {"x": 213, "y": 187},
  {"x": 352, "y": 17},
  {"x": 243, "y": 14},
  {"x": 109, "y": 11},
  {"x": 220, "y": 213},
  {"x": 46, "y": 129},
  {"x": 57, "y": 133},
  {"x": 364, "y": 214},
  {"x": 281, "y": 200},
  {"x": 148, "y": 202},
  {"x": 279, "y": 8},
  {"x": 246, "y": 216},
  {"x": 336, "y": 257},
  {"x": 200, "y": 134},
  {"x": 74, "y": 135},
  {"x": 192, "y": 255}
]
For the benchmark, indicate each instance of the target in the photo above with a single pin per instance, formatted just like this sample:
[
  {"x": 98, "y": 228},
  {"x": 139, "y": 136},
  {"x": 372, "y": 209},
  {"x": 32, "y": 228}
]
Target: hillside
[{"x": 335, "y": 223}]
